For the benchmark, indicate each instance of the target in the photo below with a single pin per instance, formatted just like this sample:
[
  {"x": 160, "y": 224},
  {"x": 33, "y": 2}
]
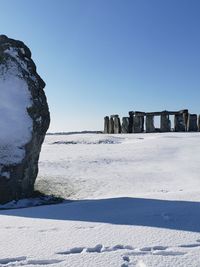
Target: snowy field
[{"x": 134, "y": 201}]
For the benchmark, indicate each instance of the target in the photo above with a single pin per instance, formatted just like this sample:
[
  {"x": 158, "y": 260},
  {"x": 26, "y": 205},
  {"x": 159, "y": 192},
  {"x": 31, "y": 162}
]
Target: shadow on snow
[{"x": 176, "y": 215}]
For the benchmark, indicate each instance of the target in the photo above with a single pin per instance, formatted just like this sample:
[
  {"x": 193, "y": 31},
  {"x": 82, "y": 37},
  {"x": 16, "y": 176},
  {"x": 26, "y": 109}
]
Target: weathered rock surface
[
  {"x": 165, "y": 123},
  {"x": 117, "y": 125},
  {"x": 138, "y": 123},
  {"x": 192, "y": 123},
  {"x": 106, "y": 125},
  {"x": 179, "y": 123},
  {"x": 150, "y": 128},
  {"x": 111, "y": 126},
  {"x": 125, "y": 124},
  {"x": 131, "y": 114},
  {"x": 24, "y": 120},
  {"x": 199, "y": 123}
]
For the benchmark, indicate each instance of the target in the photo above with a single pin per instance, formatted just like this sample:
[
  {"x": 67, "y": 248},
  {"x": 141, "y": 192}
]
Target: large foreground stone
[{"x": 24, "y": 120}]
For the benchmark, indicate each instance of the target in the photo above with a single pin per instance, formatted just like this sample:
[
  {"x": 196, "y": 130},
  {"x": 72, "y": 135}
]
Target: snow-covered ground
[{"x": 134, "y": 201}]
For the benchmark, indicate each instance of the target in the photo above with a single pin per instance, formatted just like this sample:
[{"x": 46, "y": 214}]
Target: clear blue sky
[{"x": 102, "y": 57}]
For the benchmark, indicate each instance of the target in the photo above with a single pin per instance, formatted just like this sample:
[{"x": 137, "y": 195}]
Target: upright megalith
[
  {"x": 125, "y": 124},
  {"x": 165, "y": 123},
  {"x": 24, "y": 120},
  {"x": 192, "y": 123},
  {"x": 150, "y": 128},
  {"x": 199, "y": 123},
  {"x": 185, "y": 117},
  {"x": 131, "y": 114},
  {"x": 179, "y": 123},
  {"x": 117, "y": 124},
  {"x": 106, "y": 125},
  {"x": 111, "y": 125},
  {"x": 138, "y": 123}
]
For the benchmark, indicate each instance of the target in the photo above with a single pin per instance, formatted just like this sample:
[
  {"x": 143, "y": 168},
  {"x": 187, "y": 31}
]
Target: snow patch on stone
[{"x": 15, "y": 124}]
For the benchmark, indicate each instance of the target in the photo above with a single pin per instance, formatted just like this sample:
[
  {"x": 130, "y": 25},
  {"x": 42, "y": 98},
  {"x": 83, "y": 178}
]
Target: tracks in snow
[
  {"x": 23, "y": 261},
  {"x": 98, "y": 249},
  {"x": 128, "y": 253}
]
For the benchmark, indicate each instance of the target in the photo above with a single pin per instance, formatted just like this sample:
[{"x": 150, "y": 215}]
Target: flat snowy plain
[{"x": 134, "y": 200}]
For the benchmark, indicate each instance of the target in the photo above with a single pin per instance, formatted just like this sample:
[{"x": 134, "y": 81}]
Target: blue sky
[{"x": 102, "y": 57}]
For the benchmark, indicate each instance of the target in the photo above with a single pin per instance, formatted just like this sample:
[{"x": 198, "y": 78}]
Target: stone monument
[{"x": 24, "y": 120}]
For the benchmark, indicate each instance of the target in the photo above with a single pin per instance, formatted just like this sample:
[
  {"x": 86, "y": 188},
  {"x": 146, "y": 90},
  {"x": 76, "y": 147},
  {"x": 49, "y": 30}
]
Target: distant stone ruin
[{"x": 140, "y": 122}]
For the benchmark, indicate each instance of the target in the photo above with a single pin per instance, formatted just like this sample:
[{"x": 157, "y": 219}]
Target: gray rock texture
[
  {"x": 150, "y": 128},
  {"x": 114, "y": 116},
  {"x": 165, "y": 123},
  {"x": 138, "y": 123},
  {"x": 125, "y": 124},
  {"x": 192, "y": 123},
  {"x": 106, "y": 125},
  {"x": 19, "y": 169},
  {"x": 117, "y": 125},
  {"x": 111, "y": 125},
  {"x": 179, "y": 123},
  {"x": 199, "y": 123},
  {"x": 131, "y": 121}
]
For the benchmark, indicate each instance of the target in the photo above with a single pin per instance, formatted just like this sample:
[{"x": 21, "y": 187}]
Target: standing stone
[
  {"x": 165, "y": 123},
  {"x": 199, "y": 123},
  {"x": 117, "y": 125},
  {"x": 111, "y": 125},
  {"x": 185, "y": 117},
  {"x": 125, "y": 124},
  {"x": 138, "y": 123},
  {"x": 120, "y": 126},
  {"x": 192, "y": 123},
  {"x": 131, "y": 114},
  {"x": 150, "y": 128},
  {"x": 179, "y": 123},
  {"x": 106, "y": 125},
  {"x": 24, "y": 120}
]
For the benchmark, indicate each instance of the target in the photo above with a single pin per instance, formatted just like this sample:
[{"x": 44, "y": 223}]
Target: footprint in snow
[
  {"x": 42, "y": 262},
  {"x": 155, "y": 250},
  {"x": 169, "y": 253},
  {"x": 48, "y": 230},
  {"x": 23, "y": 261},
  {"x": 128, "y": 263},
  {"x": 85, "y": 228},
  {"x": 190, "y": 245},
  {"x": 98, "y": 249},
  {"x": 6, "y": 261}
]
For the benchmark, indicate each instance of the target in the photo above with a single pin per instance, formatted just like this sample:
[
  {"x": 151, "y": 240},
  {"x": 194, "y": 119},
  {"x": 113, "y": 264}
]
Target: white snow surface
[
  {"x": 134, "y": 202},
  {"x": 15, "y": 123}
]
